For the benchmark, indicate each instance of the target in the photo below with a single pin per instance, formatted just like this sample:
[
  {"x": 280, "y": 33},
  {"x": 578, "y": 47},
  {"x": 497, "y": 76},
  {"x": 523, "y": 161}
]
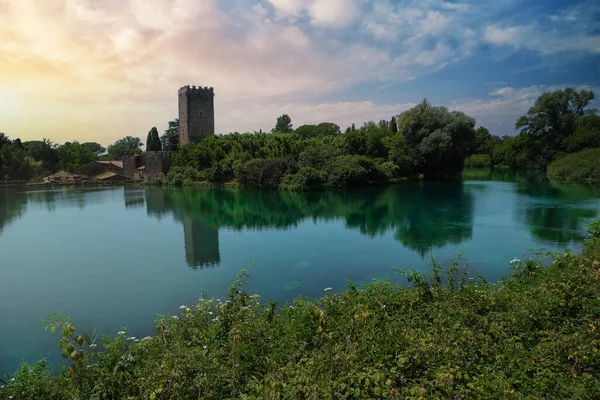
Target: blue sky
[{"x": 99, "y": 70}]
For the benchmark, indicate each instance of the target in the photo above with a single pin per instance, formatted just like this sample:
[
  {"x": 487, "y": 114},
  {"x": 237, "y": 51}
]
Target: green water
[{"x": 111, "y": 257}]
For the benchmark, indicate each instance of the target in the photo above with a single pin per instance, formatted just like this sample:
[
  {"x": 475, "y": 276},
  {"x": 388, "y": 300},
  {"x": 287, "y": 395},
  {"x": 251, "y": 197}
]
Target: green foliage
[
  {"x": 74, "y": 155},
  {"x": 170, "y": 139},
  {"x": 351, "y": 171},
  {"x": 284, "y": 124},
  {"x": 126, "y": 145},
  {"x": 550, "y": 122},
  {"x": 447, "y": 334},
  {"x": 322, "y": 129},
  {"x": 439, "y": 140},
  {"x": 153, "y": 142},
  {"x": 478, "y": 161},
  {"x": 306, "y": 178},
  {"x": 577, "y": 167},
  {"x": 265, "y": 173},
  {"x": 586, "y": 134}
]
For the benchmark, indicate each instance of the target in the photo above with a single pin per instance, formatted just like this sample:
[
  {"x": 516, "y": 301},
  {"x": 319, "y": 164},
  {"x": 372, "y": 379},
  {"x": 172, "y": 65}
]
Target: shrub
[
  {"x": 180, "y": 176},
  {"x": 221, "y": 171},
  {"x": 351, "y": 171},
  {"x": 478, "y": 161},
  {"x": 265, "y": 173},
  {"x": 581, "y": 166},
  {"x": 305, "y": 179}
]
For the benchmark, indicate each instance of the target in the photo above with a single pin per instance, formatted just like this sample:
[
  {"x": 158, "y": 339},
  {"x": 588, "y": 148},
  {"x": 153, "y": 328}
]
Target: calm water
[{"x": 112, "y": 257}]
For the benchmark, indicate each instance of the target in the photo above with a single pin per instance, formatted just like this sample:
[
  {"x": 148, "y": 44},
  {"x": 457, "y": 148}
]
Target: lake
[{"x": 116, "y": 256}]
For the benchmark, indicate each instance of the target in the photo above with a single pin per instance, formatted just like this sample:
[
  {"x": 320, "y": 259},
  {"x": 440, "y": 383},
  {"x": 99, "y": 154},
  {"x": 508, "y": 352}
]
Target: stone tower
[{"x": 196, "y": 113}]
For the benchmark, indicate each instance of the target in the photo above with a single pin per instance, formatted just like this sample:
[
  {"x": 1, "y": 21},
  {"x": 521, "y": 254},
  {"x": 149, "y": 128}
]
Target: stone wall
[
  {"x": 196, "y": 113},
  {"x": 149, "y": 165}
]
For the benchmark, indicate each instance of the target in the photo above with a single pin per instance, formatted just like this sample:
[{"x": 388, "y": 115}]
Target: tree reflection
[
  {"x": 556, "y": 213},
  {"x": 12, "y": 205},
  {"x": 423, "y": 216}
]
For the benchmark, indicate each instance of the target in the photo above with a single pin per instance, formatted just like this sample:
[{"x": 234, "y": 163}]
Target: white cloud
[
  {"x": 546, "y": 42},
  {"x": 333, "y": 13},
  {"x": 288, "y": 7},
  {"x": 501, "y": 109}
]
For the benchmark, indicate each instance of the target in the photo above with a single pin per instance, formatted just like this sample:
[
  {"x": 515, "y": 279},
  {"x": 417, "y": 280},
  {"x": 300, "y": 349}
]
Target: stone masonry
[{"x": 196, "y": 113}]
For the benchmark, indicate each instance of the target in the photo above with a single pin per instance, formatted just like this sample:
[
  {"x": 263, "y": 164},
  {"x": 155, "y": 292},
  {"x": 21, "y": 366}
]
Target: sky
[{"x": 99, "y": 70}]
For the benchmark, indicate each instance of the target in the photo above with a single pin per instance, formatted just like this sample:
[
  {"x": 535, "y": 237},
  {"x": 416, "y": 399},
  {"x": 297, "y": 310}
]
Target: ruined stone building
[{"x": 196, "y": 113}]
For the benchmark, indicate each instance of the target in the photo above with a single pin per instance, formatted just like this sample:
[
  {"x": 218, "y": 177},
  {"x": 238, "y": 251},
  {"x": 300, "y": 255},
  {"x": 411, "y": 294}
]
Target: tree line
[{"x": 427, "y": 141}]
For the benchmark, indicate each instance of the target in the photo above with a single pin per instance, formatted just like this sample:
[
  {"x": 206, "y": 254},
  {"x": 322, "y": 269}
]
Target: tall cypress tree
[
  {"x": 153, "y": 141},
  {"x": 393, "y": 124}
]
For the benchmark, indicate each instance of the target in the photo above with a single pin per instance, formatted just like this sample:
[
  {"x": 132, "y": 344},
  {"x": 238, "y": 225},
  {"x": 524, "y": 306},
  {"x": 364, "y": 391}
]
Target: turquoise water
[{"x": 114, "y": 257}]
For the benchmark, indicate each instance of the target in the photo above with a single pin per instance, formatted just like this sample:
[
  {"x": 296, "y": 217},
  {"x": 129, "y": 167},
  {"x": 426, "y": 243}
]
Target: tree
[
  {"x": 44, "y": 151},
  {"x": 393, "y": 124},
  {"x": 284, "y": 124},
  {"x": 4, "y": 140},
  {"x": 96, "y": 148},
  {"x": 74, "y": 155},
  {"x": 128, "y": 144},
  {"x": 551, "y": 121},
  {"x": 153, "y": 141},
  {"x": 439, "y": 140},
  {"x": 353, "y": 128},
  {"x": 170, "y": 139},
  {"x": 586, "y": 134}
]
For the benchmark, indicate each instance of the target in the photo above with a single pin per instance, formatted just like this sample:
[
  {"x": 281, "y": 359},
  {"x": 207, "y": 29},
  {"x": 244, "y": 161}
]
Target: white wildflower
[
  {"x": 136, "y": 340},
  {"x": 255, "y": 296},
  {"x": 205, "y": 347},
  {"x": 215, "y": 319},
  {"x": 174, "y": 317},
  {"x": 93, "y": 345},
  {"x": 130, "y": 357},
  {"x": 121, "y": 333},
  {"x": 210, "y": 313},
  {"x": 327, "y": 289},
  {"x": 147, "y": 337},
  {"x": 182, "y": 307},
  {"x": 131, "y": 338},
  {"x": 515, "y": 260},
  {"x": 12, "y": 379}
]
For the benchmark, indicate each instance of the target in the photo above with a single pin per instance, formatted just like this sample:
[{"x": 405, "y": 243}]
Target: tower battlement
[
  {"x": 196, "y": 89},
  {"x": 196, "y": 113}
]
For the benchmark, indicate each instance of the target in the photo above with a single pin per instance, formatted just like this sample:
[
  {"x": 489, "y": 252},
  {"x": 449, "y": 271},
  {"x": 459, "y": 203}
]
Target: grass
[{"x": 448, "y": 335}]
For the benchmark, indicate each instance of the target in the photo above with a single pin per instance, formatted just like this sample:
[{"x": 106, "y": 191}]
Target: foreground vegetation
[
  {"x": 583, "y": 166},
  {"x": 533, "y": 335}
]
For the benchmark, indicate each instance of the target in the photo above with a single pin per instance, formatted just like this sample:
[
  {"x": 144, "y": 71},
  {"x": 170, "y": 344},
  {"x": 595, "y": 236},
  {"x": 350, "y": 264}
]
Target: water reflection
[
  {"x": 12, "y": 205},
  {"x": 423, "y": 216}
]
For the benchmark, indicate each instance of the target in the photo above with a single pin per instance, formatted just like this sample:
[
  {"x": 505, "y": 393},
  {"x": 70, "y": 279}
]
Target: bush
[
  {"x": 583, "y": 166},
  {"x": 265, "y": 173},
  {"x": 351, "y": 171},
  {"x": 183, "y": 176},
  {"x": 221, "y": 171},
  {"x": 478, "y": 161},
  {"x": 305, "y": 179}
]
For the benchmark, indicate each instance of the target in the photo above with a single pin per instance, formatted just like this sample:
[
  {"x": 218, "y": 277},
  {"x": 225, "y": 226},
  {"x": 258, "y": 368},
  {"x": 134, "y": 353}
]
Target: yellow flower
[{"x": 388, "y": 382}]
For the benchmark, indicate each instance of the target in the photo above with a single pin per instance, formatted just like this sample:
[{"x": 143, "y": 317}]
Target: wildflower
[
  {"x": 136, "y": 340},
  {"x": 182, "y": 307},
  {"x": 205, "y": 347},
  {"x": 147, "y": 337},
  {"x": 12, "y": 379},
  {"x": 10, "y": 397},
  {"x": 215, "y": 319},
  {"x": 121, "y": 333},
  {"x": 130, "y": 357},
  {"x": 88, "y": 366},
  {"x": 131, "y": 338},
  {"x": 174, "y": 317},
  {"x": 93, "y": 345},
  {"x": 255, "y": 296},
  {"x": 327, "y": 289},
  {"x": 515, "y": 260},
  {"x": 210, "y": 313}
]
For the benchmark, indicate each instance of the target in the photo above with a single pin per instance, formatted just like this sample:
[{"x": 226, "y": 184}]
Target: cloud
[
  {"x": 333, "y": 13},
  {"x": 528, "y": 37},
  {"x": 113, "y": 67},
  {"x": 501, "y": 109}
]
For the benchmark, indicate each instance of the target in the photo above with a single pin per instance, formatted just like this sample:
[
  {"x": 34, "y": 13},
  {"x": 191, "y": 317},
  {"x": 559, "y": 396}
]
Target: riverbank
[{"x": 448, "y": 335}]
